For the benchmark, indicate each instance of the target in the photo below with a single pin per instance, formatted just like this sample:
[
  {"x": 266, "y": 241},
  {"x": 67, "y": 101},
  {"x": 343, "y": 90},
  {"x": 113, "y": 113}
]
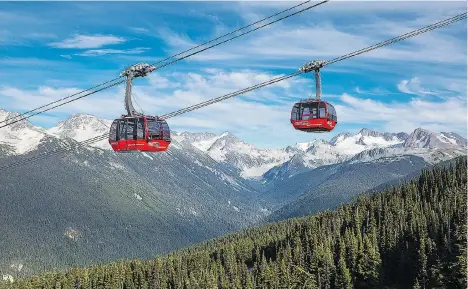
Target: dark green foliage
[
  {"x": 326, "y": 187},
  {"x": 93, "y": 194},
  {"x": 413, "y": 236}
]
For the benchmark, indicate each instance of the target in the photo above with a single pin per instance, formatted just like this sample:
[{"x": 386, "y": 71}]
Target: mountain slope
[
  {"x": 329, "y": 186},
  {"x": 250, "y": 161},
  {"x": 368, "y": 145},
  {"x": 413, "y": 236},
  {"x": 20, "y": 137},
  {"x": 100, "y": 205},
  {"x": 96, "y": 205}
]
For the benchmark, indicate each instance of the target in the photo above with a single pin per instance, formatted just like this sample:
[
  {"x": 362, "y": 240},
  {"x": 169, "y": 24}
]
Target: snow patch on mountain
[
  {"x": 22, "y": 136},
  {"x": 148, "y": 156},
  {"x": 339, "y": 149},
  {"x": 365, "y": 139},
  {"x": 269, "y": 164},
  {"x": 251, "y": 161},
  {"x": 240, "y": 158},
  {"x": 431, "y": 156},
  {"x": 432, "y": 147},
  {"x": 369, "y": 145},
  {"x": 202, "y": 141},
  {"x": 422, "y": 138},
  {"x": 81, "y": 127},
  {"x": 303, "y": 146}
]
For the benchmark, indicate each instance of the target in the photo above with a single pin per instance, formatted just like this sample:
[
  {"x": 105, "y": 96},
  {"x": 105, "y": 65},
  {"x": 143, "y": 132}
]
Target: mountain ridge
[{"x": 250, "y": 162}]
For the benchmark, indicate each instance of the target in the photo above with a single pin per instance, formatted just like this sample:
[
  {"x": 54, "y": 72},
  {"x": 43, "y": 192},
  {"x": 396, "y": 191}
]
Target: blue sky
[{"x": 49, "y": 50}]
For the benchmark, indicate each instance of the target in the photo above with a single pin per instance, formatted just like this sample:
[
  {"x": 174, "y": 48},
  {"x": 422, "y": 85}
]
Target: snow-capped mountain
[
  {"x": 202, "y": 141},
  {"x": 422, "y": 138},
  {"x": 432, "y": 147},
  {"x": 20, "y": 137},
  {"x": 81, "y": 127},
  {"x": 251, "y": 162},
  {"x": 340, "y": 148}
]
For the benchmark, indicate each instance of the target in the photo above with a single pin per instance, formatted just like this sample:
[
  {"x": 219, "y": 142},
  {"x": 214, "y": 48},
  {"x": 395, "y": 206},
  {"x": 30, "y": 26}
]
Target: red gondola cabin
[
  {"x": 313, "y": 116},
  {"x": 139, "y": 133}
]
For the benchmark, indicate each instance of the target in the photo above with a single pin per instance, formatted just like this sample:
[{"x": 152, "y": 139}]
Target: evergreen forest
[{"x": 410, "y": 236}]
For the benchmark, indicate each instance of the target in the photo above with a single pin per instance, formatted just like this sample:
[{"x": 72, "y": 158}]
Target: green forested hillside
[{"x": 412, "y": 236}]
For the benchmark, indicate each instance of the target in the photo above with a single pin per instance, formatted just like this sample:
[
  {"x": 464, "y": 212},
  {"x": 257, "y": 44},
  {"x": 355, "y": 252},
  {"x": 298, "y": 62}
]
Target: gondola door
[
  {"x": 123, "y": 145},
  {"x": 135, "y": 134}
]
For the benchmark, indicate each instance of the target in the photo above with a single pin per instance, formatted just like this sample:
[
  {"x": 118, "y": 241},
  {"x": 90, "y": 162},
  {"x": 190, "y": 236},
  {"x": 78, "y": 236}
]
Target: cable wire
[
  {"x": 75, "y": 94},
  {"x": 401, "y": 37},
  {"x": 18, "y": 120},
  {"x": 229, "y": 95},
  {"x": 232, "y": 32},
  {"x": 134, "y": 99},
  {"x": 274, "y": 80},
  {"x": 247, "y": 32},
  {"x": 349, "y": 55},
  {"x": 180, "y": 53}
]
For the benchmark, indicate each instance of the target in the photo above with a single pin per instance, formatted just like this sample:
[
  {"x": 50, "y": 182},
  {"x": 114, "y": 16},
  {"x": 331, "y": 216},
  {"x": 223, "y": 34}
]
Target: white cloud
[
  {"x": 260, "y": 116},
  {"x": 331, "y": 36},
  {"x": 440, "y": 87},
  {"x": 373, "y": 91},
  {"x": 158, "y": 81},
  {"x": 139, "y": 29},
  {"x": 438, "y": 58},
  {"x": 100, "y": 52},
  {"x": 449, "y": 115},
  {"x": 413, "y": 86},
  {"x": 66, "y": 56},
  {"x": 88, "y": 41}
]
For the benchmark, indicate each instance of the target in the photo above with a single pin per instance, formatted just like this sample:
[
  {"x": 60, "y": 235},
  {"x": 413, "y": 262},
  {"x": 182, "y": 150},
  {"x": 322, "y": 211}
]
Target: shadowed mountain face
[
  {"x": 375, "y": 241},
  {"x": 329, "y": 186},
  {"x": 91, "y": 204}
]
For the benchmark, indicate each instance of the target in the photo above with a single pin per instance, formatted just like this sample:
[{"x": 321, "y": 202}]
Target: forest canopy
[{"x": 410, "y": 236}]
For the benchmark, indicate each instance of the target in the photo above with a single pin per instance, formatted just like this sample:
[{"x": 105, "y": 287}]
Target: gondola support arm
[
  {"x": 137, "y": 70},
  {"x": 315, "y": 65}
]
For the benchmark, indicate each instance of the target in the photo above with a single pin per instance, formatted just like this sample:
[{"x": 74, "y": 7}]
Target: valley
[
  {"x": 410, "y": 236},
  {"x": 92, "y": 205}
]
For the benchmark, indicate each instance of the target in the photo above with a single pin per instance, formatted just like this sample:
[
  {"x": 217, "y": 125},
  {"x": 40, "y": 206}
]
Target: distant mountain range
[
  {"x": 91, "y": 204},
  {"x": 249, "y": 161}
]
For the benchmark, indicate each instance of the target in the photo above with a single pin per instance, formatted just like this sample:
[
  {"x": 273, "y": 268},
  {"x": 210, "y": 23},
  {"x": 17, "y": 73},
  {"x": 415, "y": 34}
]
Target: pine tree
[{"x": 343, "y": 275}]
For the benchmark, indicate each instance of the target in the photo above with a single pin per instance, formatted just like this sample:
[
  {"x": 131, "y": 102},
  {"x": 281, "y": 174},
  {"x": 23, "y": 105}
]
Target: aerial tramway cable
[
  {"x": 11, "y": 120},
  {"x": 58, "y": 105},
  {"x": 304, "y": 69},
  {"x": 75, "y": 94},
  {"x": 311, "y": 66},
  {"x": 251, "y": 24},
  {"x": 247, "y": 32}
]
